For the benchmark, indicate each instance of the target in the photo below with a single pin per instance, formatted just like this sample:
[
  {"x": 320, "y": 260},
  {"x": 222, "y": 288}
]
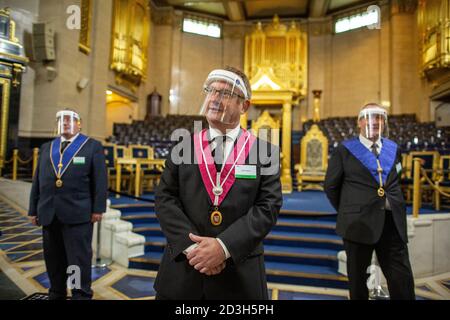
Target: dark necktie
[
  {"x": 218, "y": 152},
  {"x": 374, "y": 150},
  {"x": 64, "y": 145}
]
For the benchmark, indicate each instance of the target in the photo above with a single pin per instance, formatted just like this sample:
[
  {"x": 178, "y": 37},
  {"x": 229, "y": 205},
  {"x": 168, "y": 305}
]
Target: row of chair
[
  {"x": 310, "y": 172},
  {"x": 149, "y": 176},
  {"x": 410, "y": 134}
]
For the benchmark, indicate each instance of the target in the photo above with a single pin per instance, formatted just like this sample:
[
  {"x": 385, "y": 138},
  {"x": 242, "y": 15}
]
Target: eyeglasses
[{"x": 227, "y": 94}]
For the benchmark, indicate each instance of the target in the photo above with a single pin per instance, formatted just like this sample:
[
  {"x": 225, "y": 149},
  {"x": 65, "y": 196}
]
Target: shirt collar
[
  {"x": 231, "y": 134},
  {"x": 71, "y": 139},
  {"x": 368, "y": 143}
]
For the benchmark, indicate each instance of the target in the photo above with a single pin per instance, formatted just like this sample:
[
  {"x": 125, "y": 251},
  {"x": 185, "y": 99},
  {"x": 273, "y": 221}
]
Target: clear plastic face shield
[
  {"x": 67, "y": 123},
  {"x": 225, "y": 94},
  {"x": 373, "y": 122}
]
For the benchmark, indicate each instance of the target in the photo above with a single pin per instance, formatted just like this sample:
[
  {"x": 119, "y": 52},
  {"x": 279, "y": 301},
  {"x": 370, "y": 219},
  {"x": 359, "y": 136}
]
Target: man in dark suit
[
  {"x": 216, "y": 212},
  {"x": 68, "y": 195},
  {"x": 363, "y": 185}
]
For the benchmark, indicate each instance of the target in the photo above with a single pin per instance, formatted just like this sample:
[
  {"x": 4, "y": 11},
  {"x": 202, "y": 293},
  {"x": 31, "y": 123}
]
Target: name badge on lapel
[
  {"x": 245, "y": 172},
  {"x": 398, "y": 167},
  {"x": 78, "y": 160}
]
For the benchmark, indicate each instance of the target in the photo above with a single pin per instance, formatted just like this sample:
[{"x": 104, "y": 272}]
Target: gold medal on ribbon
[
  {"x": 59, "y": 183},
  {"x": 216, "y": 218},
  {"x": 380, "y": 192}
]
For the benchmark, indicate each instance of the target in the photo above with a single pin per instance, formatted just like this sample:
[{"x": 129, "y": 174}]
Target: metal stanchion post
[
  {"x": 15, "y": 163},
  {"x": 416, "y": 188},
  {"x": 99, "y": 261}
]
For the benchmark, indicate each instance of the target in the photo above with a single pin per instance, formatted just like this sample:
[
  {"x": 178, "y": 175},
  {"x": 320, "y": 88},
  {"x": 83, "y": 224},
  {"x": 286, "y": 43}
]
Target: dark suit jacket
[
  {"x": 352, "y": 191},
  {"x": 249, "y": 212},
  {"x": 84, "y": 189}
]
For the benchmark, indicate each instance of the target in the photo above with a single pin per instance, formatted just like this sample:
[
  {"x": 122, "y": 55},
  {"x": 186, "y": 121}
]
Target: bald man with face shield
[
  {"x": 67, "y": 196},
  {"x": 363, "y": 184},
  {"x": 216, "y": 210}
]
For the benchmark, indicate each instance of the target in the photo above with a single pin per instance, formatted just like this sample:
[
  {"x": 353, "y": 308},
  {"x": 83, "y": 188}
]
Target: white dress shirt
[
  {"x": 71, "y": 139},
  {"x": 368, "y": 144},
  {"x": 231, "y": 136}
]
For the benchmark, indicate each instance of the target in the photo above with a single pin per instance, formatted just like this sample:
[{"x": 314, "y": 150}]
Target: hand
[
  {"x": 34, "y": 220},
  {"x": 95, "y": 217},
  {"x": 214, "y": 271},
  {"x": 207, "y": 255}
]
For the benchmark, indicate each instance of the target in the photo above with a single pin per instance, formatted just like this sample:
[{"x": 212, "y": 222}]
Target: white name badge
[
  {"x": 245, "y": 172},
  {"x": 78, "y": 160},
  {"x": 398, "y": 167}
]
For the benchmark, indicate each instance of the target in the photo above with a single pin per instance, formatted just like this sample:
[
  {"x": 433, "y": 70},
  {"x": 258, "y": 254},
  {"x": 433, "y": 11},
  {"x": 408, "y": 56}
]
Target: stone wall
[{"x": 351, "y": 68}]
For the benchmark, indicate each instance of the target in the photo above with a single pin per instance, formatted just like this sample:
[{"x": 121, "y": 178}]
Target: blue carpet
[
  {"x": 425, "y": 210},
  {"x": 6, "y": 246},
  {"x": 305, "y": 235},
  {"x": 16, "y": 256},
  {"x": 135, "y": 287},
  {"x": 300, "y": 250},
  {"x": 289, "y": 295},
  {"x": 155, "y": 239},
  {"x": 315, "y": 201},
  {"x": 306, "y": 201},
  {"x": 97, "y": 273},
  {"x": 291, "y": 267},
  {"x": 287, "y": 219}
]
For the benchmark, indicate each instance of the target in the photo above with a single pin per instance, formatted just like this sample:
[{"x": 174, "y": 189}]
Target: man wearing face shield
[
  {"x": 363, "y": 185},
  {"x": 216, "y": 210},
  {"x": 68, "y": 195}
]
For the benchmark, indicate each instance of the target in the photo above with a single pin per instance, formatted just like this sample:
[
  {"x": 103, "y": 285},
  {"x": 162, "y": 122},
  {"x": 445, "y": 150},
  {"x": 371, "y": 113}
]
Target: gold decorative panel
[
  {"x": 280, "y": 53},
  {"x": 434, "y": 30},
  {"x": 276, "y": 64},
  {"x": 131, "y": 23},
  {"x": 85, "y": 31}
]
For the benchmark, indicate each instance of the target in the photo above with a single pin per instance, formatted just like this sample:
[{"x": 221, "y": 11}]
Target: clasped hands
[{"x": 208, "y": 256}]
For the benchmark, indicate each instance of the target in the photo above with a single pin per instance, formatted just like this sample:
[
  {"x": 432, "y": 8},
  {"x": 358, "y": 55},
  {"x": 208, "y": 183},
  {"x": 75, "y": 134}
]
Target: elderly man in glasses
[{"x": 216, "y": 210}]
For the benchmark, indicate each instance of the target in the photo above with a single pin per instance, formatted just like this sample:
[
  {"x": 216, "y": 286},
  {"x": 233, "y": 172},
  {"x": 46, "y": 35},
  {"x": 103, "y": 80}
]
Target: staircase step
[
  {"x": 305, "y": 225},
  {"x": 148, "y": 229},
  {"x": 293, "y": 273},
  {"x": 277, "y": 238},
  {"x": 154, "y": 243},
  {"x": 149, "y": 222},
  {"x": 303, "y": 239},
  {"x": 301, "y": 255},
  {"x": 311, "y": 256},
  {"x": 134, "y": 207}
]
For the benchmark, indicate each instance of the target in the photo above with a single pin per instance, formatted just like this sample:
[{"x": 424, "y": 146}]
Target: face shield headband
[
  {"x": 375, "y": 124},
  {"x": 66, "y": 121},
  {"x": 221, "y": 87}
]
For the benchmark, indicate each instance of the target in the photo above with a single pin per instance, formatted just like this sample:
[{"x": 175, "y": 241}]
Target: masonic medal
[{"x": 216, "y": 217}]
